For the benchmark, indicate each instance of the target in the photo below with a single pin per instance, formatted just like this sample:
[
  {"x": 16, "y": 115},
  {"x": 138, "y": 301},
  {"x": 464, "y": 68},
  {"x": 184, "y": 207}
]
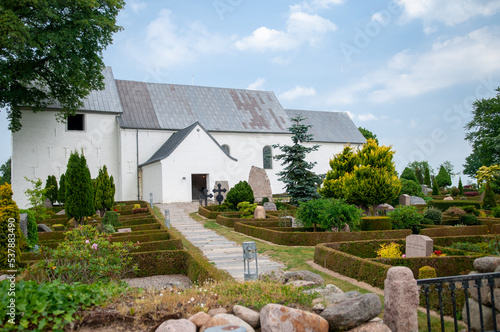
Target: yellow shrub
[
  {"x": 426, "y": 272},
  {"x": 389, "y": 250},
  {"x": 137, "y": 206}
]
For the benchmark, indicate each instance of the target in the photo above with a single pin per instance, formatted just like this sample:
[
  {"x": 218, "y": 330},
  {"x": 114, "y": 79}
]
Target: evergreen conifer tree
[
  {"x": 409, "y": 174},
  {"x": 419, "y": 175},
  {"x": 51, "y": 188},
  {"x": 443, "y": 178},
  {"x": 460, "y": 186},
  {"x": 301, "y": 183},
  {"x": 435, "y": 188},
  {"x": 427, "y": 177},
  {"x": 489, "y": 198},
  {"x": 61, "y": 193},
  {"x": 9, "y": 211},
  {"x": 104, "y": 191},
  {"x": 79, "y": 191}
]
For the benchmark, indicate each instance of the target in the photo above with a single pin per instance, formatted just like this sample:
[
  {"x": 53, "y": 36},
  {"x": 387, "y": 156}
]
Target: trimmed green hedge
[
  {"x": 373, "y": 273},
  {"x": 375, "y": 223},
  {"x": 141, "y": 227},
  {"x": 455, "y": 231},
  {"x": 229, "y": 221},
  {"x": 314, "y": 238},
  {"x": 209, "y": 212},
  {"x": 444, "y": 205},
  {"x": 445, "y": 266}
]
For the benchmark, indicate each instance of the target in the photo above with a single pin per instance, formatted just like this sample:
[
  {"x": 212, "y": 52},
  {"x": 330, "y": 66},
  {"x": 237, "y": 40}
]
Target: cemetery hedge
[
  {"x": 375, "y": 223},
  {"x": 228, "y": 220},
  {"x": 455, "y": 231},
  {"x": 141, "y": 227},
  {"x": 444, "y": 205},
  {"x": 313, "y": 238}
]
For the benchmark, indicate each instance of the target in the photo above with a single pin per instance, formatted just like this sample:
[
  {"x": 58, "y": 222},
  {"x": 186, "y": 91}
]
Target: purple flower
[
  {"x": 94, "y": 246},
  {"x": 87, "y": 241},
  {"x": 404, "y": 256}
]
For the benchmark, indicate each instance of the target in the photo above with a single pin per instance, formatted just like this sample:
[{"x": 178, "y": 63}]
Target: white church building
[{"x": 171, "y": 140}]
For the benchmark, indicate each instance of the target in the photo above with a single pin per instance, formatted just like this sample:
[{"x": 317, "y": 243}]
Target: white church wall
[
  {"x": 43, "y": 146},
  {"x": 152, "y": 182},
  {"x": 149, "y": 142},
  {"x": 197, "y": 154}
]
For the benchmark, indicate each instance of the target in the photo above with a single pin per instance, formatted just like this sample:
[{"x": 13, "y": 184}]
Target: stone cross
[
  {"x": 205, "y": 196},
  {"x": 219, "y": 198}
]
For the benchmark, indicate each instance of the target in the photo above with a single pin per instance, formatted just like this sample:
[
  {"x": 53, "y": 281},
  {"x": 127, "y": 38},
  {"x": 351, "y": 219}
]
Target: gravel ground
[{"x": 160, "y": 282}]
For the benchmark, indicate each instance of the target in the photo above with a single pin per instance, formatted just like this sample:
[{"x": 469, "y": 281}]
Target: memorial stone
[
  {"x": 23, "y": 223},
  {"x": 124, "y": 230},
  {"x": 260, "y": 184},
  {"x": 416, "y": 200},
  {"x": 419, "y": 246},
  {"x": 268, "y": 206},
  {"x": 404, "y": 200}
]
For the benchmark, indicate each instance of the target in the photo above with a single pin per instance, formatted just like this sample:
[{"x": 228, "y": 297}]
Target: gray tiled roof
[
  {"x": 106, "y": 100},
  {"x": 330, "y": 126},
  {"x": 174, "y": 107},
  {"x": 173, "y": 142}
]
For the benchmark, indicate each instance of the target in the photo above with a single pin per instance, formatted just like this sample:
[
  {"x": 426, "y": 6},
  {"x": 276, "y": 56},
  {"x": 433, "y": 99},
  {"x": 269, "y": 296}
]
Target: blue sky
[{"x": 408, "y": 70}]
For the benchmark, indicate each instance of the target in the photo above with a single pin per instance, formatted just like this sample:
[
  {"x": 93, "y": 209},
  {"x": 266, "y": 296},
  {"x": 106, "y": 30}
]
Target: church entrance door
[{"x": 198, "y": 184}]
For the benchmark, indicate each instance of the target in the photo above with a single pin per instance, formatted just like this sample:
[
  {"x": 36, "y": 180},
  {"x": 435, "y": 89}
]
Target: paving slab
[{"x": 226, "y": 255}]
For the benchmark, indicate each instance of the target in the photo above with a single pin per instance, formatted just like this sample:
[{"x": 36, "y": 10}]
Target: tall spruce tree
[
  {"x": 61, "y": 193},
  {"x": 79, "y": 191},
  {"x": 51, "y": 188},
  {"x": 443, "y": 178},
  {"x": 301, "y": 183},
  {"x": 104, "y": 191},
  {"x": 435, "y": 188},
  {"x": 420, "y": 176},
  {"x": 460, "y": 186},
  {"x": 427, "y": 177}
]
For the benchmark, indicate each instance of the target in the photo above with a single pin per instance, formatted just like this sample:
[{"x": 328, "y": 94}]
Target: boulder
[
  {"x": 199, "y": 319},
  {"x": 301, "y": 283},
  {"x": 225, "y": 319},
  {"x": 371, "y": 327},
  {"x": 318, "y": 308},
  {"x": 333, "y": 299},
  {"x": 475, "y": 322},
  {"x": 485, "y": 291},
  {"x": 449, "y": 198},
  {"x": 486, "y": 264},
  {"x": 215, "y": 311},
  {"x": 304, "y": 275},
  {"x": 325, "y": 290},
  {"x": 248, "y": 315},
  {"x": 275, "y": 317},
  {"x": 259, "y": 213},
  {"x": 176, "y": 325},
  {"x": 273, "y": 276},
  {"x": 352, "y": 312}
]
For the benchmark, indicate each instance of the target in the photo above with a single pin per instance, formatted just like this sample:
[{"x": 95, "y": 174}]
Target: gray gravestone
[
  {"x": 268, "y": 206},
  {"x": 419, "y": 246},
  {"x": 23, "y": 224},
  {"x": 425, "y": 189},
  {"x": 416, "y": 200},
  {"x": 261, "y": 186},
  {"x": 404, "y": 200},
  {"x": 47, "y": 203},
  {"x": 124, "y": 230},
  {"x": 43, "y": 228}
]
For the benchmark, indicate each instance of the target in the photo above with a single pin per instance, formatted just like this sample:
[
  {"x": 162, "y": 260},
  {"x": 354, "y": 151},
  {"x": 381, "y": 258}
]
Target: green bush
[
  {"x": 427, "y": 221},
  {"x": 32, "y": 227},
  {"x": 455, "y": 212},
  {"x": 433, "y": 214},
  {"x": 329, "y": 213},
  {"x": 444, "y": 205},
  {"x": 482, "y": 247},
  {"x": 455, "y": 191},
  {"x": 111, "y": 218},
  {"x": 246, "y": 209},
  {"x": 469, "y": 220},
  {"x": 11, "y": 237},
  {"x": 489, "y": 198},
  {"x": 406, "y": 217},
  {"x": 241, "y": 192},
  {"x": 85, "y": 256},
  {"x": 496, "y": 212},
  {"x": 265, "y": 200},
  {"x": 52, "y": 306},
  {"x": 471, "y": 209}
]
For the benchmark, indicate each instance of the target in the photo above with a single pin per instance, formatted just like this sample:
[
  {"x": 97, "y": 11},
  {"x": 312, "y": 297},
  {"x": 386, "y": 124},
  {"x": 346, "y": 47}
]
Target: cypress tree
[
  {"x": 435, "y": 188},
  {"x": 419, "y": 175},
  {"x": 61, "y": 193},
  {"x": 427, "y": 177},
  {"x": 301, "y": 183},
  {"x": 104, "y": 191},
  {"x": 51, "y": 188},
  {"x": 443, "y": 178},
  {"x": 79, "y": 191},
  {"x": 460, "y": 186},
  {"x": 489, "y": 198}
]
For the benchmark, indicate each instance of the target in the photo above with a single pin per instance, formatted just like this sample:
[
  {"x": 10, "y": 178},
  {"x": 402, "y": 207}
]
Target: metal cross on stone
[
  {"x": 205, "y": 196},
  {"x": 219, "y": 198}
]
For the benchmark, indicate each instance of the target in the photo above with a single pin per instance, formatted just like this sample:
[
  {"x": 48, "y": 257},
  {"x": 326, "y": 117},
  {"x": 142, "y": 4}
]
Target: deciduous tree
[
  {"x": 52, "y": 50},
  {"x": 5, "y": 171}
]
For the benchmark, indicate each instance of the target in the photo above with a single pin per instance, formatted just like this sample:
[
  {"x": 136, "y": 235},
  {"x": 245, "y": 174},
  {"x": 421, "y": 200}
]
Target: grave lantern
[
  {"x": 167, "y": 218},
  {"x": 249, "y": 254}
]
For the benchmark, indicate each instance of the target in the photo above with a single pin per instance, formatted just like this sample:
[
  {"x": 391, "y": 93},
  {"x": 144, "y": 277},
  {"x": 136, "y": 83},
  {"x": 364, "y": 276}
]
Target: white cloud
[
  {"x": 449, "y": 12},
  {"x": 167, "y": 44},
  {"x": 448, "y": 63},
  {"x": 137, "y": 6},
  {"x": 301, "y": 28},
  {"x": 366, "y": 117},
  {"x": 257, "y": 85},
  {"x": 314, "y": 5},
  {"x": 297, "y": 92}
]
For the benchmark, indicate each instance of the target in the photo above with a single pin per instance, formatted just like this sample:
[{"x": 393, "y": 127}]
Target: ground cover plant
[{"x": 329, "y": 213}]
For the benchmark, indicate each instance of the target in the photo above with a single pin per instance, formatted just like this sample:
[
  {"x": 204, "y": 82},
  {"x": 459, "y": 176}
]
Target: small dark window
[
  {"x": 76, "y": 122},
  {"x": 267, "y": 154},
  {"x": 226, "y": 149}
]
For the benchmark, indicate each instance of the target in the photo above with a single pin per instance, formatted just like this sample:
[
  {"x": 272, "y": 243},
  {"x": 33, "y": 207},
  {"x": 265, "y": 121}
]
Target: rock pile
[
  {"x": 483, "y": 265},
  {"x": 333, "y": 310}
]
